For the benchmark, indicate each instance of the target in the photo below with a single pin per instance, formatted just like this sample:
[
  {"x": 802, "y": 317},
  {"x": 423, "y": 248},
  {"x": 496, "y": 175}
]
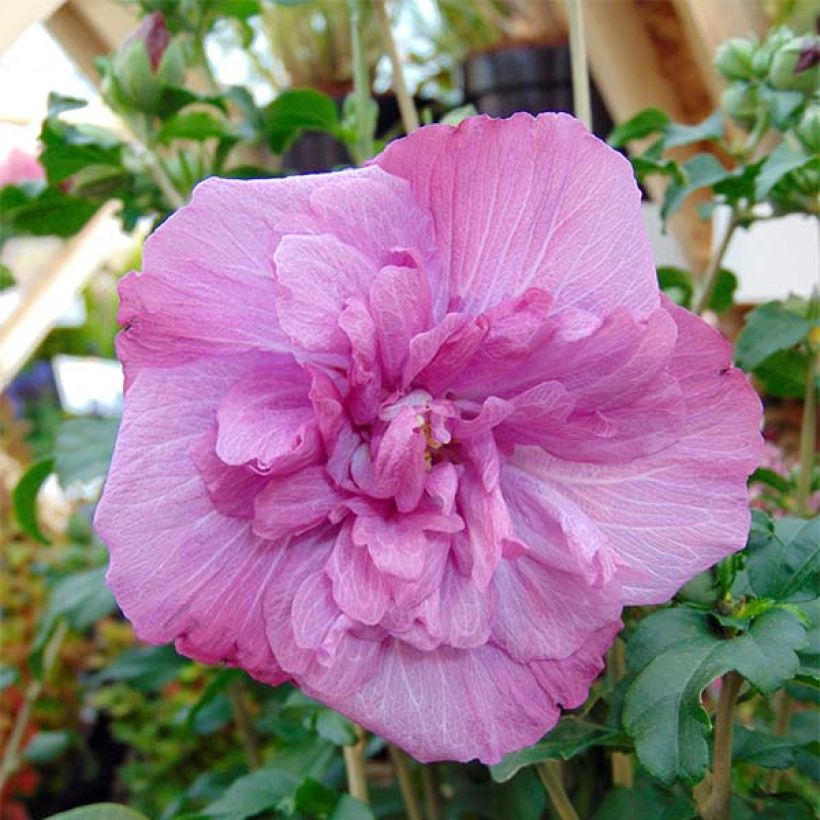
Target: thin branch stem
[
  {"x": 432, "y": 791},
  {"x": 808, "y": 432},
  {"x": 580, "y": 70},
  {"x": 716, "y": 806},
  {"x": 11, "y": 756},
  {"x": 713, "y": 271},
  {"x": 550, "y": 773},
  {"x": 354, "y": 765},
  {"x": 622, "y": 773},
  {"x": 244, "y": 724},
  {"x": 361, "y": 81},
  {"x": 403, "y": 775},
  {"x": 409, "y": 115}
]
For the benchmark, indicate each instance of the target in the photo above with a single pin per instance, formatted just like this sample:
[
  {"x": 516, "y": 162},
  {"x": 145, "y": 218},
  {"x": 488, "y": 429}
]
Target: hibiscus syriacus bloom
[{"x": 411, "y": 435}]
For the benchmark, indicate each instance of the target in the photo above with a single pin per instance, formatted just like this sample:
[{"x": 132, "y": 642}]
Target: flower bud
[
  {"x": 733, "y": 58},
  {"x": 795, "y": 66},
  {"x": 741, "y": 102},
  {"x": 808, "y": 129},
  {"x": 148, "y": 60},
  {"x": 762, "y": 60}
]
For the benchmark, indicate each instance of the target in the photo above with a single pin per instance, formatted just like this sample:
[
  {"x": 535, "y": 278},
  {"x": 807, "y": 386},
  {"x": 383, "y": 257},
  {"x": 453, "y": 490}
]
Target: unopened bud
[
  {"x": 795, "y": 66},
  {"x": 733, "y": 58},
  {"x": 153, "y": 34},
  {"x": 808, "y": 129}
]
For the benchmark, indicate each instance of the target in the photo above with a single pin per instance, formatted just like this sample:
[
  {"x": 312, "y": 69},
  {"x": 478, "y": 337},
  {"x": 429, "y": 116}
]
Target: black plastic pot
[
  {"x": 315, "y": 152},
  {"x": 531, "y": 78}
]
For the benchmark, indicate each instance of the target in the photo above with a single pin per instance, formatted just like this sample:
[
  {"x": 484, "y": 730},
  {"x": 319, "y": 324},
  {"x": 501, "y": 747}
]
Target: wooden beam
[
  {"x": 17, "y": 16},
  {"x": 708, "y": 24},
  {"x": 639, "y": 58},
  {"x": 43, "y": 304},
  {"x": 87, "y": 29}
]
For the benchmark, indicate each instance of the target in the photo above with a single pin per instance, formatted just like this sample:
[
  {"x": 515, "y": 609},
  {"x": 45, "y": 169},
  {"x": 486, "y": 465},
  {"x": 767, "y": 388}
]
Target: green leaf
[
  {"x": 644, "y": 802},
  {"x": 315, "y": 799},
  {"x": 47, "y": 746},
  {"x": 333, "y": 727},
  {"x": 770, "y": 478},
  {"x": 785, "y": 566},
  {"x": 24, "y": 498},
  {"x": 678, "y": 656},
  {"x": 252, "y": 794},
  {"x": 6, "y": 279},
  {"x": 709, "y": 129},
  {"x": 67, "y": 149},
  {"x": 216, "y": 686},
  {"x": 99, "y": 811},
  {"x": 146, "y": 668},
  {"x": 571, "y": 737},
  {"x": 297, "y": 110},
  {"x": 41, "y": 211},
  {"x": 646, "y": 122},
  {"x": 174, "y": 98},
  {"x": 457, "y": 115},
  {"x": 57, "y": 103},
  {"x": 192, "y": 125},
  {"x": 700, "y": 171},
  {"x": 769, "y": 328},
  {"x": 349, "y": 808},
  {"x": 724, "y": 291},
  {"x": 784, "y": 373},
  {"x": 677, "y": 284},
  {"x": 762, "y": 748},
  {"x": 83, "y": 449},
  {"x": 785, "y": 158},
  {"x": 8, "y": 676},
  {"x": 240, "y": 9}
]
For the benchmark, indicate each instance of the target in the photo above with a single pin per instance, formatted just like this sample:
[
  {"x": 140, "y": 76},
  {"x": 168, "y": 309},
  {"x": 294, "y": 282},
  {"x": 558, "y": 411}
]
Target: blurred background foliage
[{"x": 88, "y": 715}]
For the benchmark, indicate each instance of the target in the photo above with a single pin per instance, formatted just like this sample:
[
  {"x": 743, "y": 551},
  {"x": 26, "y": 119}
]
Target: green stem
[
  {"x": 578, "y": 57},
  {"x": 409, "y": 115},
  {"x": 244, "y": 724},
  {"x": 354, "y": 765},
  {"x": 11, "y": 756},
  {"x": 713, "y": 271},
  {"x": 717, "y": 806},
  {"x": 808, "y": 432},
  {"x": 432, "y": 791},
  {"x": 550, "y": 774},
  {"x": 361, "y": 81},
  {"x": 141, "y": 129},
  {"x": 408, "y": 794},
  {"x": 621, "y": 762}
]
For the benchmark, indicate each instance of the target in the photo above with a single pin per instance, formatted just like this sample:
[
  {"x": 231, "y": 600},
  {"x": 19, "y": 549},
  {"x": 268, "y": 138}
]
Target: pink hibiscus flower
[
  {"x": 411, "y": 435},
  {"x": 18, "y": 166}
]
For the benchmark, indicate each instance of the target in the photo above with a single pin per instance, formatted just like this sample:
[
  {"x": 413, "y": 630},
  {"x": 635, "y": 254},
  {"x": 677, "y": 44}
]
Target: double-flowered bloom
[{"x": 412, "y": 435}]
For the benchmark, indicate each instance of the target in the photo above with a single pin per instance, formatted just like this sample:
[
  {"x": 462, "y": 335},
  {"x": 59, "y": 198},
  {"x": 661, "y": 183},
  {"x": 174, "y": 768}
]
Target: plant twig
[
  {"x": 408, "y": 794},
  {"x": 580, "y": 70},
  {"x": 11, "y": 756},
  {"x": 808, "y": 432},
  {"x": 409, "y": 115},
  {"x": 716, "y": 806},
  {"x": 361, "y": 81},
  {"x": 622, "y": 774},
  {"x": 354, "y": 765},
  {"x": 432, "y": 791},
  {"x": 244, "y": 724},
  {"x": 550, "y": 773},
  {"x": 713, "y": 271}
]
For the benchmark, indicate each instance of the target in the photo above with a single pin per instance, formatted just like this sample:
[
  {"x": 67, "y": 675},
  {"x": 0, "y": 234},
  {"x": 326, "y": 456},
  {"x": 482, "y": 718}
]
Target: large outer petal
[
  {"x": 179, "y": 569},
  {"x": 450, "y": 704},
  {"x": 530, "y": 202},
  {"x": 207, "y": 283},
  {"x": 672, "y": 514}
]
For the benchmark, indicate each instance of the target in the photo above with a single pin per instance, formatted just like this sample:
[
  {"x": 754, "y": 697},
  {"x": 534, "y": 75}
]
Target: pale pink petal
[
  {"x": 397, "y": 546},
  {"x": 180, "y": 569},
  {"x": 450, "y": 704},
  {"x": 566, "y": 609},
  {"x": 530, "y": 202},
  {"x": 295, "y": 503},
  {"x": 267, "y": 418},
  {"x": 672, "y": 514},
  {"x": 358, "y": 587},
  {"x": 317, "y": 274},
  {"x": 401, "y": 304}
]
